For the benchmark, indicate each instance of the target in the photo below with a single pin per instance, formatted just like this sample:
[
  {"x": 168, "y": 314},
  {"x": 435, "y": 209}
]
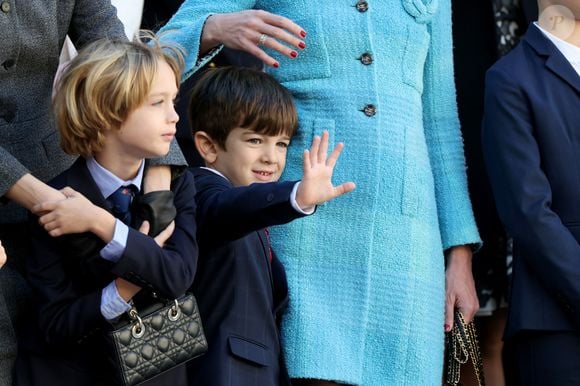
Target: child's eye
[
  {"x": 157, "y": 102},
  {"x": 255, "y": 141},
  {"x": 282, "y": 144}
]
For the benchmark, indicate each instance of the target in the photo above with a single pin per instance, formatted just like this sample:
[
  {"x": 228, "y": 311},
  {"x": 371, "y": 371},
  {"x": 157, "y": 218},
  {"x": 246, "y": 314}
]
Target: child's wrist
[{"x": 104, "y": 226}]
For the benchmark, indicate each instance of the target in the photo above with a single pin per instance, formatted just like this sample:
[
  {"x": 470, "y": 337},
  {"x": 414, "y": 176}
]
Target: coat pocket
[
  {"x": 415, "y": 56},
  {"x": 250, "y": 351},
  {"x": 312, "y": 62}
]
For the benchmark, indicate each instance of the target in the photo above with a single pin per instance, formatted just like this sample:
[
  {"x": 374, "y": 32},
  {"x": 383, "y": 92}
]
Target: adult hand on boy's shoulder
[
  {"x": 316, "y": 186},
  {"x": 76, "y": 214}
]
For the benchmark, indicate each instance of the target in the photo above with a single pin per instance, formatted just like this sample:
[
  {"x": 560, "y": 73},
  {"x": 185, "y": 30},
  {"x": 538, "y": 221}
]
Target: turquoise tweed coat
[{"x": 366, "y": 272}]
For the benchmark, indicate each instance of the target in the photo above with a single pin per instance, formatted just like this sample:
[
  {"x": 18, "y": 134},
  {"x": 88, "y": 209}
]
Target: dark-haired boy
[
  {"x": 242, "y": 123},
  {"x": 531, "y": 141}
]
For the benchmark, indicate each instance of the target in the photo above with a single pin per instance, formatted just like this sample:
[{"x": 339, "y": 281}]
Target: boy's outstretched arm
[{"x": 316, "y": 186}]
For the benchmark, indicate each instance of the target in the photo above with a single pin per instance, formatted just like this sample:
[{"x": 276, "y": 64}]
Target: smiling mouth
[{"x": 263, "y": 174}]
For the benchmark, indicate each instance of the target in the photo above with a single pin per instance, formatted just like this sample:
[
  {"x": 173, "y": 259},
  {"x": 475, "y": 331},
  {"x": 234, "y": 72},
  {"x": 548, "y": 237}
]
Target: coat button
[
  {"x": 369, "y": 110},
  {"x": 362, "y": 6},
  {"x": 5, "y": 6},
  {"x": 366, "y": 58},
  {"x": 8, "y": 64},
  {"x": 270, "y": 197}
]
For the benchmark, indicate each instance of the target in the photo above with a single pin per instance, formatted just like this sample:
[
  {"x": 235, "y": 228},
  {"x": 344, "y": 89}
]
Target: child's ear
[{"x": 206, "y": 146}]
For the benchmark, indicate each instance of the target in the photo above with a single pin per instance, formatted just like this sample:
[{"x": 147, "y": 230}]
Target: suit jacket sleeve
[
  {"x": 67, "y": 313},
  {"x": 443, "y": 136},
  {"x": 523, "y": 193},
  {"x": 234, "y": 212},
  {"x": 170, "y": 270}
]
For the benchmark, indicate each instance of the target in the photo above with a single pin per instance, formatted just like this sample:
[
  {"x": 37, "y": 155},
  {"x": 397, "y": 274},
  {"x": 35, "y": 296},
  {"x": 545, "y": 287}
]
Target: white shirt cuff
[
  {"x": 294, "y": 204},
  {"x": 112, "y": 304},
  {"x": 116, "y": 247}
]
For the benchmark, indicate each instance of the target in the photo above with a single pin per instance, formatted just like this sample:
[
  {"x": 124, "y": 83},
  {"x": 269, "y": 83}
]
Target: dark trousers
[
  {"x": 546, "y": 358},
  {"x": 15, "y": 294}
]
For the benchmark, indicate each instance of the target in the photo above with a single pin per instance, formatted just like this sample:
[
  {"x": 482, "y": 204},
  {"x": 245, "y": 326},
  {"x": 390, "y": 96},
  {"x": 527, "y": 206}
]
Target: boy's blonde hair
[{"x": 103, "y": 84}]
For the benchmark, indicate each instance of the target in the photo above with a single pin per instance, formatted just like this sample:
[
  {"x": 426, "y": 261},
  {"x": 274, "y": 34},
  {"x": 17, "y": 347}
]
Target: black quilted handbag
[{"x": 157, "y": 339}]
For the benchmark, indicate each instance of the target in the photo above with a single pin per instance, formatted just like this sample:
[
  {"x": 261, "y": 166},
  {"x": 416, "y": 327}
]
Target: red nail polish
[
  {"x": 293, "y": 54},
  {"x": 302, "y": 45},
  {"x": 276, "y": 64},
  {"x": 446, "y": 327},
  {"x": 303, "y": 34}
]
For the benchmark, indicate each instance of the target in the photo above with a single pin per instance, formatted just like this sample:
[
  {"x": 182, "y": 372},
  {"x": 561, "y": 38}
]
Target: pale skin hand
[
  {"x": 316, "y": 186},
  {"x": 29, "y": 191},
  {"x": 76, "y": 214},
  {"x": 460, "y": 286},
  {"x": 242, "y": 31},
  {"x": 2, "y": 255},
  {"x": 127, "y": 289}
]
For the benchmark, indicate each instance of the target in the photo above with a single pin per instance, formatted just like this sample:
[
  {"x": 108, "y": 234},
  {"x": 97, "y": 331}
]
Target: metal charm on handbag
[
  {"x": 158, "y": 339},
  {"x": 460, "y": 345}
]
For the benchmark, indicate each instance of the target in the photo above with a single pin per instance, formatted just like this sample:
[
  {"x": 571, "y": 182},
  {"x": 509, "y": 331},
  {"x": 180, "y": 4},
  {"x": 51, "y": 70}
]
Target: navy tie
[{"x": 121, "y": 203}]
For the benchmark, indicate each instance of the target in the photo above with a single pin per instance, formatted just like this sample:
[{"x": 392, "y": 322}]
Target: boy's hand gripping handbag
[{"x": 157, "y": 339}]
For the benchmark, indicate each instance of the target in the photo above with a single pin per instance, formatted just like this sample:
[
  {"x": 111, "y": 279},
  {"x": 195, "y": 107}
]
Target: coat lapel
[
  {"x": 80, "y": 179},
  {"x": 555, "y": 62}
]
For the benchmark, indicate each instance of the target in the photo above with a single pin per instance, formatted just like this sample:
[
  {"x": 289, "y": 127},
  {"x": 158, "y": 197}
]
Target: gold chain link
[{"x": 461, "y": 343}]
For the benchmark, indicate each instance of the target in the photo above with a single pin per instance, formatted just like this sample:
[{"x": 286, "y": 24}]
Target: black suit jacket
[
  {"x": 68, "y": 283},
  {"x": 531, "y": 141},
  {"x": 239, "y": 292}
]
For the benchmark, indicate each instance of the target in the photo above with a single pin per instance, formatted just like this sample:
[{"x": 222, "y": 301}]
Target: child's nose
[
  {"x": 270, "y": 155},
  {"x": 173, "y": 116}
]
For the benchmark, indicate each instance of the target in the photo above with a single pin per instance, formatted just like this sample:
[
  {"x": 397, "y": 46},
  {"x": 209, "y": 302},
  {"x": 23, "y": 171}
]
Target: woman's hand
[
  {"x": 459, "y": 286},
  {"x": 2, "y": 255},
  {"x": 250, "y": 31}
]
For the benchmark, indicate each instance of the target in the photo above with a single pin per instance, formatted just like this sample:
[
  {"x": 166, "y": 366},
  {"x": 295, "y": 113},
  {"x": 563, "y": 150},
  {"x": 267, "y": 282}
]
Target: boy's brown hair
[
  {"x": 229, "y": 97},
  {"x": 105, "y": 82}
]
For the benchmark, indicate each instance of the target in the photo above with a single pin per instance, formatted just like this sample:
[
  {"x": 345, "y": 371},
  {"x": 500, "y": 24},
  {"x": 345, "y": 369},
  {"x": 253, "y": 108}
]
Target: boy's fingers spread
[
  {"x": 314, "y": 149},
  {"x": 323, "y": 150},
  {"x": 307, "y": 164},
  {"x": 344, "y": 188},
  {"x": 335, "y": 154}
]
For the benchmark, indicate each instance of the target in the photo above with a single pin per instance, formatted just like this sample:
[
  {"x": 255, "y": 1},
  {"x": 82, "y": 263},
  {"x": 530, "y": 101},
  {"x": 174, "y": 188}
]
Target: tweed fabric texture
[{"x": 366, "y": 272}]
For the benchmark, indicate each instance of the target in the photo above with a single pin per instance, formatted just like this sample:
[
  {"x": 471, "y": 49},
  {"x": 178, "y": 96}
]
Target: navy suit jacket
[
  {"x": 68, "y": 283},
  {"x": 531, "y": 140},
  {"x": 240, "y": 293}
]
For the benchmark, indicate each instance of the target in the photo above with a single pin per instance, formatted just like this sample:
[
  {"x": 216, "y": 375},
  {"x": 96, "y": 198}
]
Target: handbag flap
[{"x": 250, "y": 351}]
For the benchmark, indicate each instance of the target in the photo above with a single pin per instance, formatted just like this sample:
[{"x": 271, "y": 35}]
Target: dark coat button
[
  {"x": 5, "y": 6},
  {"x": 8, "y": 64},
  {"x": 362, "y": 6},
  {"x": 366, "y": 58},
  {"x": 369, "y": 110},
  {"x": 270, "y": 197}
]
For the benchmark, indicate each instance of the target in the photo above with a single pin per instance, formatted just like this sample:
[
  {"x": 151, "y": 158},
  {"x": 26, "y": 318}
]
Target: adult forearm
[{"x": 29, "y": 191}]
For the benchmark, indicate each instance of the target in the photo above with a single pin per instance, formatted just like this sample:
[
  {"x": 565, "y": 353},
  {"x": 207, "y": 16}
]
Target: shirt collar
[
  {"x": 215, "y": 171},
  {"x": 570, "y": 51},
  {"x": 107, "y": 182}
]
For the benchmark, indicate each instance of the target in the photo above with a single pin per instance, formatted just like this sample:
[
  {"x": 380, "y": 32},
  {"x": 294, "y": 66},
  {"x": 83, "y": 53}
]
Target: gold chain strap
[{"x": 461, "y": 344}]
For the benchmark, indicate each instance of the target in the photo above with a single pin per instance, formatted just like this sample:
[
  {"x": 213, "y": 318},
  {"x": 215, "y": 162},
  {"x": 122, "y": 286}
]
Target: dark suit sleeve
[
  {"x": 65, "y": 313},
  {"x": 170, "y": 270},
  {"x": 523, "y": 194},
  {"x": 92, "y": 20},
  {"x": 234, "y": 212}
]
